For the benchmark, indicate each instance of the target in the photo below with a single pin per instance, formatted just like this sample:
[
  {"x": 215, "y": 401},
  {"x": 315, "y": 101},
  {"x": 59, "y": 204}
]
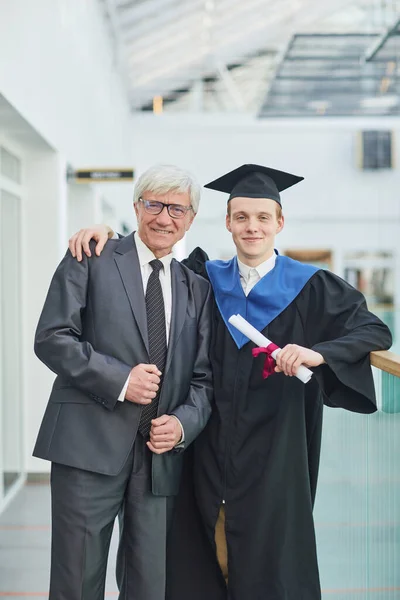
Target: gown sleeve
[
  {"x": 340, "y": 327},
  {"x": 196, "y": 262}
]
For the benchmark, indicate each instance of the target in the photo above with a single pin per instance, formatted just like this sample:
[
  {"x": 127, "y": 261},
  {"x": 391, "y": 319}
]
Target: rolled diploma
[{"x": 261, "y": 341}]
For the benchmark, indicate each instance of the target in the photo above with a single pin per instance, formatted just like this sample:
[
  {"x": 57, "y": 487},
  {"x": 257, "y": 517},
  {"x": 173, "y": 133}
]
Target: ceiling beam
[
  {"x": 158, "y": 21},
  {"x": 119, "y": 55},
  {"x": 146, "y": 10},
  {"x": 378, "y": 45},
  {"x": 231, "y": 87}
]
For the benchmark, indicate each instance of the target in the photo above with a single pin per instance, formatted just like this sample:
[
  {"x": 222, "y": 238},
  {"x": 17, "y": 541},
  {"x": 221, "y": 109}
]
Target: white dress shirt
[
  {"x": 145, "y": 256},
  {"x": 249, "y": 276}
]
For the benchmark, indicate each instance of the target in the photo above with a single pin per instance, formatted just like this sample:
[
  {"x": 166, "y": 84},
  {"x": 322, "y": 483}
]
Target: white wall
[
  {"x": 57, "y": 69},
  {"x": 65, "y": 103}
]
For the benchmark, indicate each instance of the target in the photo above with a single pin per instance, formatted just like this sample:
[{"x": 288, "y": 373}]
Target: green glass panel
[
  {"x": 390, "y": 394},
  {"x": 357, "y": 512}
]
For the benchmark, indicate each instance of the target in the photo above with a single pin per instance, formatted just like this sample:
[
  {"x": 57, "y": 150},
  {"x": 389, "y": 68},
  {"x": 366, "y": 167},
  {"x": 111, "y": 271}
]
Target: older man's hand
[
  {"x": 165, "y": 434},
  {"x": 290, "y": 358},
  {"x": 144, "y": 381}
]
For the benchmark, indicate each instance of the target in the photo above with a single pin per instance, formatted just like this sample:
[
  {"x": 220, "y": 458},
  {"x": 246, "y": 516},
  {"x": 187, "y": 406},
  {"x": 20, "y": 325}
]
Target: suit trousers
[{"x": 84, "y": 508}]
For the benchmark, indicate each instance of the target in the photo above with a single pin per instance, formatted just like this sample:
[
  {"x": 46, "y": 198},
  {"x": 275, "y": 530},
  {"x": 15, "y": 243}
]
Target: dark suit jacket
[{"x": 91, "y": 332}]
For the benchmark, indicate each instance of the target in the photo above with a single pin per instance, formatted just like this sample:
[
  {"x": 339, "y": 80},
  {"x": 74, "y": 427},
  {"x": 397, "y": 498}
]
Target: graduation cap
[{"x": 254, "y": 181}]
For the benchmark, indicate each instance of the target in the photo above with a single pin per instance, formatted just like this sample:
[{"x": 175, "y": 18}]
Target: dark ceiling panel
[{"x": 328, "y": 75}]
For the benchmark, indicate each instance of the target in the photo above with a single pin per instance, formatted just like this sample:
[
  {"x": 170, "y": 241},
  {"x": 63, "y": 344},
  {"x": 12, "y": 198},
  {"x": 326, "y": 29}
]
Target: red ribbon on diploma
[{"x": 269, "y": 365}]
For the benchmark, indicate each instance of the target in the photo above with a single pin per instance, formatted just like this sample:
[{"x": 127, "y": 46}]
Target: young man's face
[
  {"x": 254, "y": 223},
  {"x": 161, "y": 232}
]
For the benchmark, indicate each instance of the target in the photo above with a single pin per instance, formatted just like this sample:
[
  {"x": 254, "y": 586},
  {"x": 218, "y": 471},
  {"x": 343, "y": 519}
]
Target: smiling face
[
  {"x": 254, "y": 223},
  {"x": 161, "y": 232}
]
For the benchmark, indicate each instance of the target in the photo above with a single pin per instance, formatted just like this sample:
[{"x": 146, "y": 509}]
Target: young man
[
  {"x": 256, "y": 462},
  {"x": 127, "y": 334}
]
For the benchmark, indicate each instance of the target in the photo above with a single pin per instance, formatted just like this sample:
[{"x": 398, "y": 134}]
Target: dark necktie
[{"x": 157, "y": 339}]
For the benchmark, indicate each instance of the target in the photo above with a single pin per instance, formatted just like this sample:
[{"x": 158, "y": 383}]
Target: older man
[{"x": 127, "y": 334}]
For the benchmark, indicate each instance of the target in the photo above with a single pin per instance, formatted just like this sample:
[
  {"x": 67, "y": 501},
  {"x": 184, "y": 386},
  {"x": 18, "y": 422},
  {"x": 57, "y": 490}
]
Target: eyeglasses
[{"x": 176, "y": 211}]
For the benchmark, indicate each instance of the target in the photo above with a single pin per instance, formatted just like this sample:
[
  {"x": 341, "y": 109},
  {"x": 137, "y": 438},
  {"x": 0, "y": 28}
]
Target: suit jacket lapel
[
  {"x": 179, "y": 306},
  {"x": 127, "y": 261}
]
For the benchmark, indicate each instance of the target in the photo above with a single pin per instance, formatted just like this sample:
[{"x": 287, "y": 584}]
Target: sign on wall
[{"x": 100, "y": 175}]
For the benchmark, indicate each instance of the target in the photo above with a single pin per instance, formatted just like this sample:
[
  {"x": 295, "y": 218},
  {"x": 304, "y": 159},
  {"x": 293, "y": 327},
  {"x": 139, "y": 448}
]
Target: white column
[{"x": 44, "y": 235}]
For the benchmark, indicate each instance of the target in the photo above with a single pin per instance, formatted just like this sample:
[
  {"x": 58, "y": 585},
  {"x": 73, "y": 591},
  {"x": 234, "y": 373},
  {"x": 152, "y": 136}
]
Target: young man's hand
[
  {"x": 292, "y": 356},
  {"x": 80, "y": 240}
]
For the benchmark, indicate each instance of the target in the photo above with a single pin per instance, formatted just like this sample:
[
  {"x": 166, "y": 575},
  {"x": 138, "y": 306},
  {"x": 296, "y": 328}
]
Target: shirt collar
[
  {"x": 262, "y": 269},
  {"x": 145, "y": 255}
]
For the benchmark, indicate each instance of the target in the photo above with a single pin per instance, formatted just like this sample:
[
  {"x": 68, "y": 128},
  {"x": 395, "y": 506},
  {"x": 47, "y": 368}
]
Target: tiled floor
[
  {"x": 25, "y": 547},
  {"x": 25, "y": 552}
]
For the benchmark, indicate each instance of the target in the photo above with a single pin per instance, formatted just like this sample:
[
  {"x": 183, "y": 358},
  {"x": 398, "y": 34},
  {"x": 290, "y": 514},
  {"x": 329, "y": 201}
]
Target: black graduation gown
[{"x": 260, "y": 451}]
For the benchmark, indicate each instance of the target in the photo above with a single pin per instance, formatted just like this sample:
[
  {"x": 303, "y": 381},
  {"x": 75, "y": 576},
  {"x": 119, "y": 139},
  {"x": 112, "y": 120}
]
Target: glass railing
[{"x": 357, "y": 510}]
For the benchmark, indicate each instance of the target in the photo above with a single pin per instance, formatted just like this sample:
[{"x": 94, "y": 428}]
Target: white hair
[{"x": 161, "y": 179}]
